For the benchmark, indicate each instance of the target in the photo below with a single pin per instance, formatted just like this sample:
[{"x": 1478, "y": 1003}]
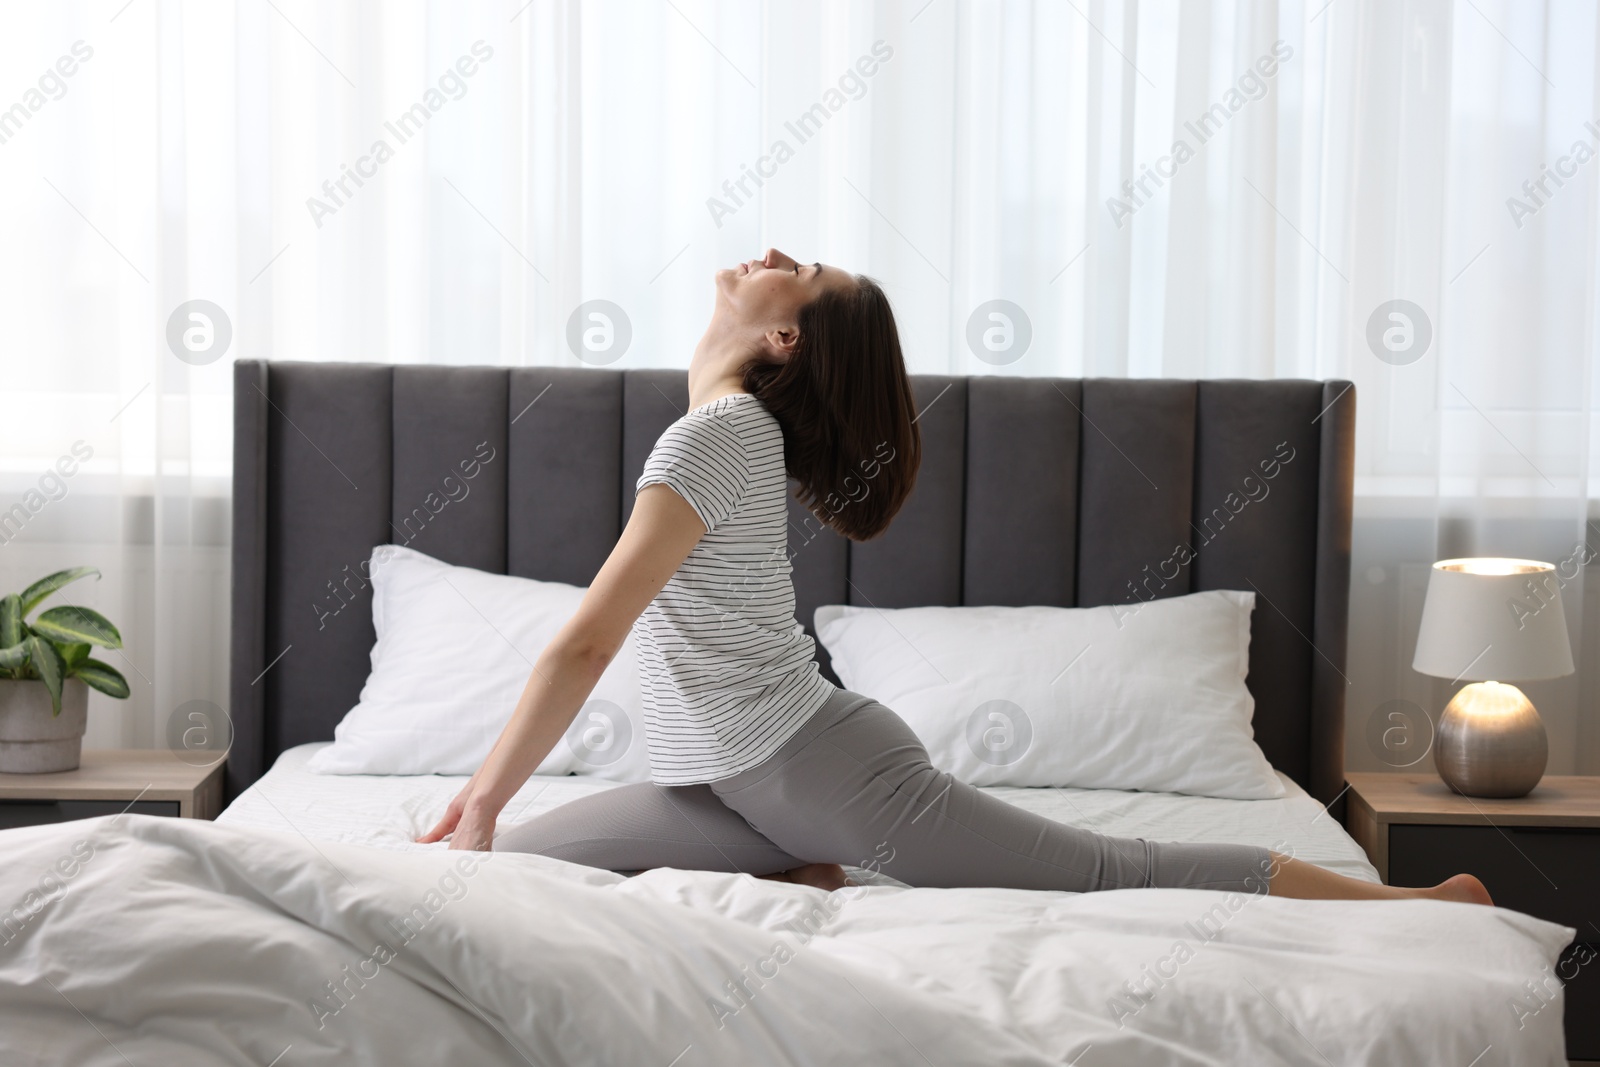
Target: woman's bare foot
[
  {"x": 1463, "y": 888},
  {"x": 824, "y": 876}
]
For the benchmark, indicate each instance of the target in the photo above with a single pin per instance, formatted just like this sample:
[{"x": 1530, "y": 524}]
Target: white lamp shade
[{"x": 1493, "y": 620}]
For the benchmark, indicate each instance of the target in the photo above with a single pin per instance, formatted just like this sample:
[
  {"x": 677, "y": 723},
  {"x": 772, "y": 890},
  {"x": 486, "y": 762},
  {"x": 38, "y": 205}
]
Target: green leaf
[
  {"x": 13, "y": 657},
  {"x": 35, "y": 593},
  {"x": 69, "y": 624},
  {"x": 71, "y": 654},
  {"x": 48, "y": 666},
  {"x": 103, "y": 677},
  {"x": 10, "y": 620}
]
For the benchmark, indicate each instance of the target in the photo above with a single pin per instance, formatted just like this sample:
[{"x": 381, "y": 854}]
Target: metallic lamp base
[{"x": 1491, "y": 742}]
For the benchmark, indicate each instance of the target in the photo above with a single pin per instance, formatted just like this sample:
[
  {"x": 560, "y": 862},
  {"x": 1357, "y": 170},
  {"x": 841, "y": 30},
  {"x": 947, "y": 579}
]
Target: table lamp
[{"x": 1491, "y": 622}]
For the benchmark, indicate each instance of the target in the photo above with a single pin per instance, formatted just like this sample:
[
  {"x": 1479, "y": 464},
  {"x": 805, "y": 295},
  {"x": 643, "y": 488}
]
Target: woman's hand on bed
[
  {"x": 452, "y": 816},
  {"x": 475, "y": 830},
  {"x": 468, "y": 825}
]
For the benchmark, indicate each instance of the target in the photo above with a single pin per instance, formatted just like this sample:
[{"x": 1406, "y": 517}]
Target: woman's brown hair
[{"x": 844, "y": 402}]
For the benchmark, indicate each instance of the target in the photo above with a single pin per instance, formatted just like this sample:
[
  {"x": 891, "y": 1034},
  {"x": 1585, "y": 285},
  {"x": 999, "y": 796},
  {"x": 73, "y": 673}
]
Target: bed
[{"x": 305, "y": 925}]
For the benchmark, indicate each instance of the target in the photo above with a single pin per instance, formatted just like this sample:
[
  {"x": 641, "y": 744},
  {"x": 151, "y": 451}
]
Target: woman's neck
[{"x": 715, "y": 370}]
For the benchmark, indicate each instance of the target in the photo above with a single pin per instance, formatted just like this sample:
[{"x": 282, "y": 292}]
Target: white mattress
[{"x": 390, "y": 811}]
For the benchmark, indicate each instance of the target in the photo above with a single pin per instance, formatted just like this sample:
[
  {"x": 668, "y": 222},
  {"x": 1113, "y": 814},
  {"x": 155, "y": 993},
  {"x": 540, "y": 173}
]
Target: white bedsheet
[
  {"x": 389, "y": 812},
  {"x": 134, "y": 939}
]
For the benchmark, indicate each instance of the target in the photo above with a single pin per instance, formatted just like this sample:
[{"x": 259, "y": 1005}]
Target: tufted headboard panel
[{"x": 1032, "y": 491}]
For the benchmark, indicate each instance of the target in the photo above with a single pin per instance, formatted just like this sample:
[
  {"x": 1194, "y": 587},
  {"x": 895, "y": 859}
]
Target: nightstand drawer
[
  {"x": 1579, "y": 969},
  {"x": 15, "y": 813},
  {"x": 1547, "y": 872}
]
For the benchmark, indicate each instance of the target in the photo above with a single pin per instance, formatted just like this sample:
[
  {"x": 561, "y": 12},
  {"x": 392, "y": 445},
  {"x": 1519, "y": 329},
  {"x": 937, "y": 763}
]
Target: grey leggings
[{"x": 854, "y": 787}]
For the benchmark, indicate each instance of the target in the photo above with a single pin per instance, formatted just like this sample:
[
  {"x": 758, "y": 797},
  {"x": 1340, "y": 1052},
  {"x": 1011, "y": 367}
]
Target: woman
[{"x": 759, "y": 764}]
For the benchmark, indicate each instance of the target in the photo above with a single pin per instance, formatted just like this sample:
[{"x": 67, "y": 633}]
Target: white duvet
[{"x": 135, "y": 940}]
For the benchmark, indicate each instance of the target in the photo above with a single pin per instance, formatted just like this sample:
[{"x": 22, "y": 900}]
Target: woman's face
[{"x": 764, "y": 296}]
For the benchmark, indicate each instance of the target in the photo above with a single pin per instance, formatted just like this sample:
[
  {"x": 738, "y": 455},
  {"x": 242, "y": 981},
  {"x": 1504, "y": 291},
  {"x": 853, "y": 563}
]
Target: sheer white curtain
[{"x": 1218, "y": 188}]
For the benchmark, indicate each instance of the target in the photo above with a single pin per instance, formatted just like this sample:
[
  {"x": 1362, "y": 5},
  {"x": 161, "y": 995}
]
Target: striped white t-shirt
[{"x": 728, "y": 673}]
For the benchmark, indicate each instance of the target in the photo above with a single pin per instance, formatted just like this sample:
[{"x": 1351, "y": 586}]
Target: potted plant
[{"x": 46, "y": 673}]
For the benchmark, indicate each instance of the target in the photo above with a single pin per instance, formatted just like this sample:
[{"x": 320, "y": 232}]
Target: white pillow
[
  {"x": 1146, "y": 696},
  {"x": 455, "y": 648}
]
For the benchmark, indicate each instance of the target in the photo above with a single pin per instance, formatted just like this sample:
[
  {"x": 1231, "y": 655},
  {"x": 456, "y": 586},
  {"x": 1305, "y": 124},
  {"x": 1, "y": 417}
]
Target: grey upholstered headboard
[{"x": 1032, "y": 491}]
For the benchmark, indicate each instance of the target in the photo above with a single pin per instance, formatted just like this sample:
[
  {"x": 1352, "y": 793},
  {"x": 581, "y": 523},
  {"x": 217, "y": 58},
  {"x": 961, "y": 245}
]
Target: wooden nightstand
[
  {"x": 144, "y": 782},
  {"x": 1538, "y": 854}
]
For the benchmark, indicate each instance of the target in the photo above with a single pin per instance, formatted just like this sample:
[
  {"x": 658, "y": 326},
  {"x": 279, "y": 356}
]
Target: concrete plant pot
[{"x": 32, "y": 741}]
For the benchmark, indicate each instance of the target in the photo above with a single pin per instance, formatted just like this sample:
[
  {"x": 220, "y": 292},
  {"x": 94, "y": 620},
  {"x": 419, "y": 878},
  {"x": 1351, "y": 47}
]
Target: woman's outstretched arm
[{"x": 660, "y": 534}]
